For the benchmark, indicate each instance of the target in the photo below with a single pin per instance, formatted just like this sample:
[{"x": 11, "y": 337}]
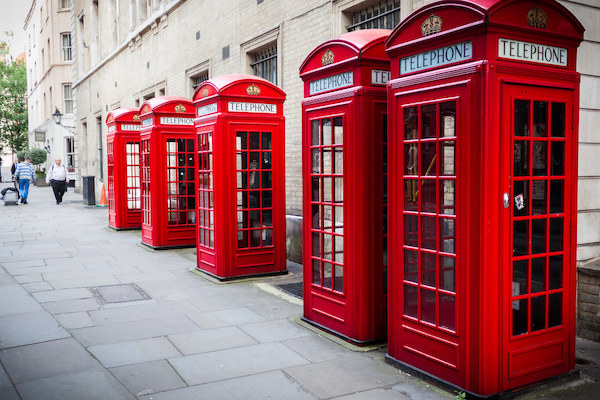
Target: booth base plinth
[
  {"x": 509, "y": 394},
  {"x": 359, "y": 343},
  {"x": 239, "y": 277},
  {"x": 114, "y": 228},
  {"x": 183, "y": 246}
]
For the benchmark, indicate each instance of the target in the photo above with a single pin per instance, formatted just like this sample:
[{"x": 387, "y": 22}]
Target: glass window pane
[
  {"x": 538, "y": 236},
  {"x": 316, "y": 244},
  {"x": 428, "y": 157},
  {"x": 448, "y": 118},
  {"x": 556, "y": 196},
  {"x": 315, "y": 132},
  {"x": 327, "y": 247},
  {"x": 540, "y": 152},
  {"x": 556, "y": 234},
  {"x": 447, "y": 197},
  {"x": 520, "y": 238},
  {"x": 316, "y": 216},
  {"x": 327, "y": 161},
  {"x": 254, "y": 138},
  {"x": 411, "y": 194},
  {"x": 267, "y": 218},
  {"x": 538, "y": 197},
  {"x": 538, "y": 313},
  {"x": 338, "y": 131},
  {"x": 447, "y": 273},
  {"x": 338, "y": 284},
  {"x": 266, "y": 140},
  {"x": 328, "y": 189},
  {"x": 520, "y": 277},
  {"x": 410, "y": 123},
  {"x": 555, "y": 272},
  {"x": 521, "y": 158},
  {"x": 558, "y": 120},
  {"x": 338, "y": 248},
  {"x": 538, "y": 275},
  {"x": 522, "y": 117},
  {"x": 410, "y": 230},
  {"x": 327, "y": 275},
  {"x": 410, "y": 266},
  {"x": 327, "y": 132},
  {"x": 447, "y": 158},
  {"x": 554, "y": 309},
  {"x": 316, "y": 272},
  {"x": 521, "y": 198},
  {"x": 338, "y": 196},
  {"x": 428, "y": 233},
  {"x": 316, "y": 161},
  {"x": 266, "y": 160},
  {"x": 327, "y": 217},
  {"x": 316, "y": 189},
  {"x": 428, "y": 196},
  {"x": 242, "y": 239},
  {"x": 447, "y": 235},
  {"x": 540, "y": 118},
  {"x": 267, "y": 199},
  {"x": 267, "y": 237},
  {"x": 428, "y": 304},
  {"x": 338, "y": 160},
  {"x": 267, "y": 180},
  {"x": 519, "y": 316},
  {"x": 255, "y": 238},
  {"x": 339, "y": 220},
  {"x": 447, "y": 311},
  {"x": 411, "y": 159},
  {"x": 410, "y": 301},
  {"x": 428, "y": 120},
  {"x": 428, "y": 269},
  {"x": 557, "y": 164}
]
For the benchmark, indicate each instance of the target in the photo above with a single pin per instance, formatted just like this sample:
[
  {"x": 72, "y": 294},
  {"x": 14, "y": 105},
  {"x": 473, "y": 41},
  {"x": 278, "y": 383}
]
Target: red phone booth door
[
  {"x": 539, "y": 271},
  {"x": 430, "y": 335}
]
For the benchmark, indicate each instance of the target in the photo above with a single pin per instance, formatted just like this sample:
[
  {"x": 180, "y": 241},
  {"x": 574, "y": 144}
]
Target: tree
[
  {"x": 37, "y": 156},
  {"x": 13, "y": 105}
]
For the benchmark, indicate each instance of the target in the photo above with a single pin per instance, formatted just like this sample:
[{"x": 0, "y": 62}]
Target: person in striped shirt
[{"x": 25, "y": 173}]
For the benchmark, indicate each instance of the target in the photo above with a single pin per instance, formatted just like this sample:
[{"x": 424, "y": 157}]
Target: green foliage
[
  {"x": 37, "y": 156},
  {"x": 13, "y": 105},
  {"x": 21, "y": 155},
  {"x": 460, "y": 395}
]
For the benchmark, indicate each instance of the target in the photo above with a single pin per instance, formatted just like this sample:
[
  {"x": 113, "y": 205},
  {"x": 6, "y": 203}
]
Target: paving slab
[
  {"x": 134, "y": 330},
  {"x": 37, "y": 287},
  {"x": 134, "y": 352},
  {"x": 135, "y": 311},
  {"x": 239, "y": 316},
  {"x": 62, "y": 294},
  {"x": 96, "y": 384},
  {"x": 68, "y": 306},
  {"x": 342, "y": 376},
  {"x": 211, "y": 340},
  {"x": 9, "y": 393},
  {"x": 316, "y": 348},
  {"x": 15, "y": 300},
  {"x": 379, "y": 394},
  {"x": 268, "y": 385},
  {"x": 274, "y": 331},
  {"x": 29, "y": 328},
  {"x": 43, "y": 360},
  {"x": 148, "y": 377},
  {"x": 74, "y": 320},
  {"x": 233, "y": 363}
]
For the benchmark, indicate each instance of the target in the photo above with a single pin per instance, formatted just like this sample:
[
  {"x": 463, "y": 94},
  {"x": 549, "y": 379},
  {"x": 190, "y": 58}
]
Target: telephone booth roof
[
  {"x": 439, "y": 23},
  {"x": 237, "y": 85},
  {"x": 167, "y": 105},
  {"x": 125, "y": 114},
  {"x": 349, "y": 47}
]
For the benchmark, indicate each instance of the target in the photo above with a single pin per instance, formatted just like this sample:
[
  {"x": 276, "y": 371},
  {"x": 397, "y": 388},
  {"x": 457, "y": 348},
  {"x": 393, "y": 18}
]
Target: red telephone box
[
  {"x": 168, "y": 173},
  {"x": 241, "y": 177},
  {"x": 123, "y": 155},
  {"x": 344, "y": 173},
  {"x": 483, "y": 107}
]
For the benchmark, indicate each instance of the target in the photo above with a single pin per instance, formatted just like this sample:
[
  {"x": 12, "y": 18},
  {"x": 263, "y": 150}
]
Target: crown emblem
[
  {"x": 204, "y": 92},
  {"x": 431, "y": 25},
  {"x": 110, "y": 119},
  {"x": 180, "y": 108},
  {"x": 145, "y": 109},
  {"x": 537, "y": 18},
  {"x": 253, "y": 90},
  {"x": 136, "y": 117},
  {"x": 327, "y": 58}
]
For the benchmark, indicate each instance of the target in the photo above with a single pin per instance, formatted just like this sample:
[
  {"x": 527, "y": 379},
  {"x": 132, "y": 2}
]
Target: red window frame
[
  {"x": 110, "y": 162},
  {"x": 180, "y": 181},
  {"x": 133, "y": 183},
  {"x": 206, "y": 213},
  {"x": 145, "y": 181}
]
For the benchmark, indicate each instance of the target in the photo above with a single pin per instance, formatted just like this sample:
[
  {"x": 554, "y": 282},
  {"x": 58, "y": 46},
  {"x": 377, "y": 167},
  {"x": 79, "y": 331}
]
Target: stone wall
[{"x": 588, "y": 300}]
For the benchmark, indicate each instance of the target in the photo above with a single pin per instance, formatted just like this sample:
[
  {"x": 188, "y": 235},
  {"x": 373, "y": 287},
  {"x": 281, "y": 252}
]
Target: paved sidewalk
[{"x": 89, "y": 313}]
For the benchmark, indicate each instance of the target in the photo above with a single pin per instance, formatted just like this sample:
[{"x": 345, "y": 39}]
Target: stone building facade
[
  {"x": 49, "y": 79},
  {"x": 127, "y": 51}
]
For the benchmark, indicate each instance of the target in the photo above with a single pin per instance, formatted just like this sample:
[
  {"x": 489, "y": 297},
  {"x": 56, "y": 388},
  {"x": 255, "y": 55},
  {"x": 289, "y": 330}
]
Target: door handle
[{"x": 506, "y": 199}]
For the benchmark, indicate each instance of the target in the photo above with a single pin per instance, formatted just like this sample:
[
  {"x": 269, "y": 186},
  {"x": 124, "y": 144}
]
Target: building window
[
  {"x": 67, "y": 51},
  {"x": 62, "y": 4},
  {"x": 198, "y": 79},
  {"x": 379, "y": 15},
  {"x": 70, "y": 153},
  {"x": 68, "y": 98},
  {"x": 264, "y": 63}
]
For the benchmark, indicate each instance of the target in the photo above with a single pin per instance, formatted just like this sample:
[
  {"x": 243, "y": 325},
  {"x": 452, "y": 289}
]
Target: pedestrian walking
[
  {"x": 58, "y": 178},
  {"x": 25, "y": 174},
  {"x": 13, "y": 169}
]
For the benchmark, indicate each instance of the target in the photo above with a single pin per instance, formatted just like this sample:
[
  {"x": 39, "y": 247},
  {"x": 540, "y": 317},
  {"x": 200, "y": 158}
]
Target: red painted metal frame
[
  {"x": 226, "y": 106},
  {"x": 346, "y": 293},
  {"x": 482, "y": 356},
  {"x": 156, "y": 230},
  {"x": 123, "y": 131}
]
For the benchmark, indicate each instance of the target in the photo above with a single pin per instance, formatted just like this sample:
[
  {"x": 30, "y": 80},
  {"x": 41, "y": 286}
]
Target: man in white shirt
[{"x": 58, "y": 177}]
